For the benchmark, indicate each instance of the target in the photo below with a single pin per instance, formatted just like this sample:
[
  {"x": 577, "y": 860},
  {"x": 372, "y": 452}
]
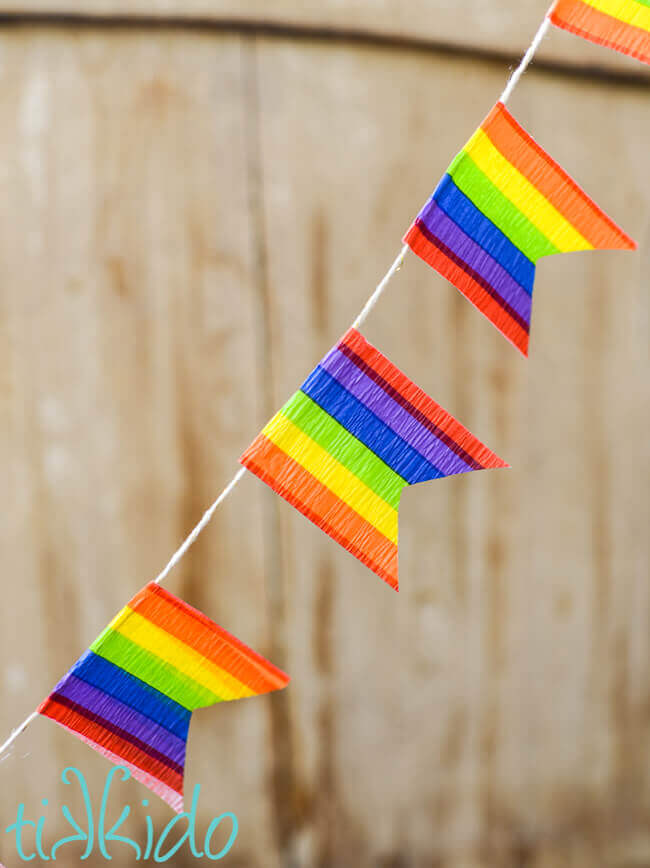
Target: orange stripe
[
  {"x": 470, "y": 289},
  {"x": 210, "y": 641},
  {"x": 552, "y": 181},
  {"x": 103, "y": 738},
  {"x": 596, "y": 26},
  {"x": 421, "y": 401},
  {"x": 320, "y": 506}
]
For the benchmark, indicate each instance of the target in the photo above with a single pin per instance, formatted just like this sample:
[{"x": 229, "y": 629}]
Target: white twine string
[
  {"x": 207, "y": 515},
  {"x": 374, "y": 298},
  {"x": 14, "y": 735},
  {"x": 528, "y": 56},
  {"x": 367, "y": 308}
]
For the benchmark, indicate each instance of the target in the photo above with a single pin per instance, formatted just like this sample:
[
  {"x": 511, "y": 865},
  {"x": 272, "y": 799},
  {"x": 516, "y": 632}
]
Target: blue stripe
[
  {"x": 104, "y": 675},
  {"x": 480, "y": 229},
  {"x": 362, "y": 423}
]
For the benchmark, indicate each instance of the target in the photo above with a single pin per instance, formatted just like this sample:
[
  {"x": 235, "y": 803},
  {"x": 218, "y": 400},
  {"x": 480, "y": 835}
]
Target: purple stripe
[
  {"x": 478, "y": 259},
  {"x": 136, "y": 724},
  {"x": 475, "y": 276},
  {"x": 399, "y": 420},
  {"x": 410, "y": 408},
  {"x": 115, "y": 730}
]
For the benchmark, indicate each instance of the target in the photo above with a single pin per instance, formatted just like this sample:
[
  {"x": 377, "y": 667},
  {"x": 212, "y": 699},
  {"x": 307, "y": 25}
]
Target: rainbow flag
[
  {"x": 503, "y": 204},
  {"x": 623, "y": 25},
  {"x": 131, "y": 696},
  {"x": 344, "y": 447}
]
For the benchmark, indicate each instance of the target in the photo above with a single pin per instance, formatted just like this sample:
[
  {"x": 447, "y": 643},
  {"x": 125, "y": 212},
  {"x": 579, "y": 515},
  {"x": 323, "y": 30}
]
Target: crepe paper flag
[
  {"x": 503, "y": 204},
  {"x": 344, "y": 447},
  {"x": 131, "y": 696},
  {"x": 623, "y": 25}
]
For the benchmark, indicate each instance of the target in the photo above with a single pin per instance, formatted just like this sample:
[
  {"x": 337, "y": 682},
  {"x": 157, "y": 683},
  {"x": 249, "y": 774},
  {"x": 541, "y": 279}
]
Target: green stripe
[
  {"x": 137, "y": 661},
  {"x": 348, "y": 451},
  {"x": 499, "y": 209},
  {"x": 643, "y": 2}
]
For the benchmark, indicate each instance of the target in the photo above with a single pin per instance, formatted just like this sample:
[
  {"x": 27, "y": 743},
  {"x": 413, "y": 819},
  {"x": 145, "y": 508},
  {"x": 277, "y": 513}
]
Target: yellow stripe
[
  {"x": 624, "y": 10},
  {"x": 327, "y": 470},
  {"x": 140, "y": 630},
  {"x": 524, "y": 195}
]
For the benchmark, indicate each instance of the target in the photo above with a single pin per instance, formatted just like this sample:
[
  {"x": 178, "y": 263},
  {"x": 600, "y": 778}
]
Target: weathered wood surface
[
  {"x": 187, "y": 223},
  {"x": 500, "y": 25}
]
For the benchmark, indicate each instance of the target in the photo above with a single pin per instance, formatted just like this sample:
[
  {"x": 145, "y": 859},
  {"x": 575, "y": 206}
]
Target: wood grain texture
[
  {"x": 498, "y": 25},
  {"x": 187, "y": 223},
  {"x": 126, "y": 298}
]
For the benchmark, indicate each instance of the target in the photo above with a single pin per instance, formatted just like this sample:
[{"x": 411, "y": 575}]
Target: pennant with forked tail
[
  {"x": 504, "y": 204},
  {"x": 351, "y": 439},
  {"x": 131, "y": 696}
]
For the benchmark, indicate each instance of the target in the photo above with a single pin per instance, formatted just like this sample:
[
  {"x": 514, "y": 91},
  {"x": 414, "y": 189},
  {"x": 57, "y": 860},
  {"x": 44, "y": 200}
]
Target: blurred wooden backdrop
[{"x": 195, "y": 203}]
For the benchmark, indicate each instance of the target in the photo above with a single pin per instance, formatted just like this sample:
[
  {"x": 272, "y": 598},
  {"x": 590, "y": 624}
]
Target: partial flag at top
[{"x": 623, "y": 25}]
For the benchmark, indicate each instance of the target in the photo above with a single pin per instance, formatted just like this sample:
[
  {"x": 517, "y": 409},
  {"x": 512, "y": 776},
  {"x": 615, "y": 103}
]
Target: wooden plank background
[
  {"x": 483, "y": 25},
  {"x": 189, "y": 218}
]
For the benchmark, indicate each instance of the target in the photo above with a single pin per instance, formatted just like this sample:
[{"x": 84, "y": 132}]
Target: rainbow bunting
[
  {"x": 623, "y": 25},
  {"x": 503, "y": 204},
  {"x": 131, "y": 696},
  {"x": 344, "y": 447}
]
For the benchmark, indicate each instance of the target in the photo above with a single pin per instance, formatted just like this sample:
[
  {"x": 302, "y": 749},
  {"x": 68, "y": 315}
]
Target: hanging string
[
  {"x": 207, "y": 515},
  {"x": 374, "y": 298},
  {"x": 367, "y": 308},
  {"x": 14, "y": 735},
  {"x": 528, "y": 56}
]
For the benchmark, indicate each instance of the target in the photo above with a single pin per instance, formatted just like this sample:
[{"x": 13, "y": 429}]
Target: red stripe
[
  {"x": 75, "y": 722},
  {"x": 455, "y": 445},
  {"x": 116, "y": 730},
  {"x": 419, "y": 404},
  {"x": 464, "y": 282},
  {"x": 476, "y": 277},
  {"x": 317, "y": 503},
  {"x": 399, "y": 399}
]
